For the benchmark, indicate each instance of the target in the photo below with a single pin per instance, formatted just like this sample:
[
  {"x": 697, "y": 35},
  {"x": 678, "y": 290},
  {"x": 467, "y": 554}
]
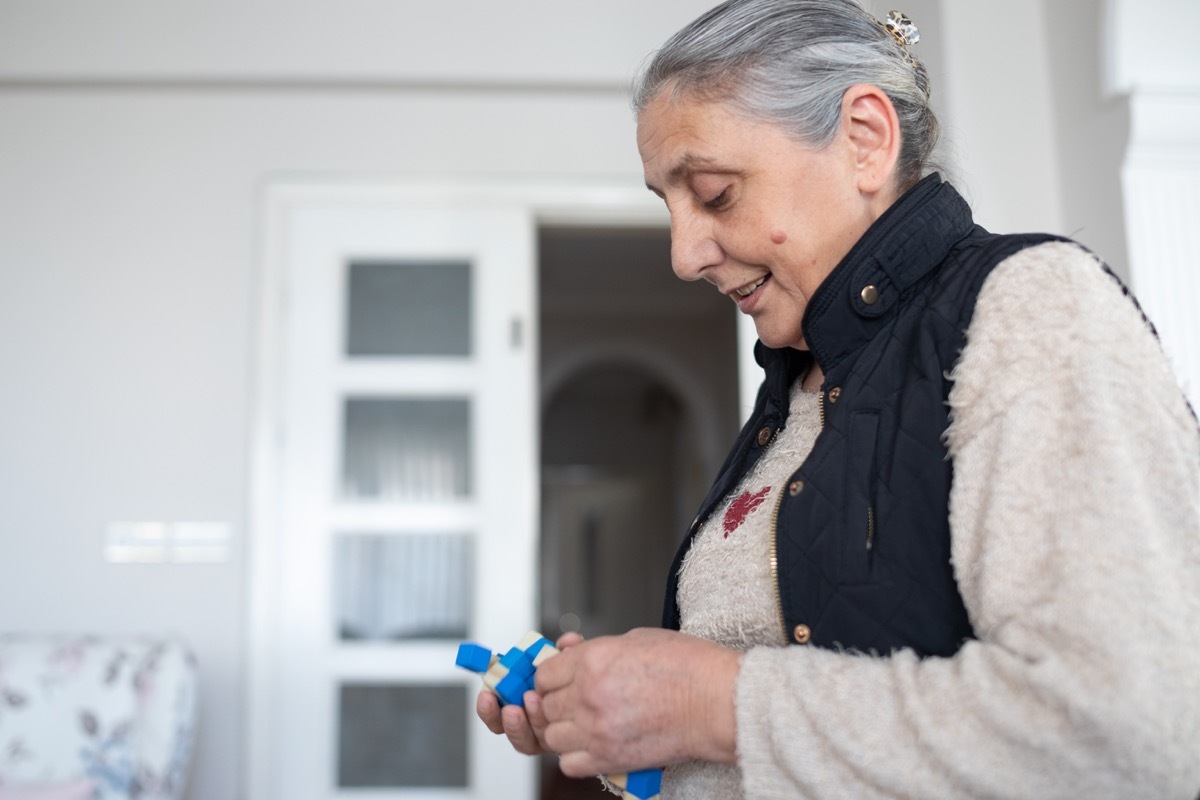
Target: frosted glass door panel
[
  {"x": 395, "y": 455},
  {"x": 403, "y": 587},
  {"x": 398, "y": 736},
  {"x": 407, "y": 450},
  {"x": 409, "y": 309}
]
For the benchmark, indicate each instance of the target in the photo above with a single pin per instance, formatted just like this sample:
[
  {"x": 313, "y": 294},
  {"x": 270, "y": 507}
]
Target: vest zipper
[
  {"x": 775, "y": 533},
  {"x": 775, "y": 565},
  {"x": 870, "y": 528},
  {"x": 774, "y": 550}
]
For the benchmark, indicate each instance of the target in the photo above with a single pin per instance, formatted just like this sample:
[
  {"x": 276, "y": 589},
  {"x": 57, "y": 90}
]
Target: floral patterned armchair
[{"x": 95, "y": 718}]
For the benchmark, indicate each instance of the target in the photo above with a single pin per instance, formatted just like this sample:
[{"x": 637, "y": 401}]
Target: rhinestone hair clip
[{"x": 900, "y": 26}]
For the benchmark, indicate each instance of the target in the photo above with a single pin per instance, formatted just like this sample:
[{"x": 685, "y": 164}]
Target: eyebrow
[{"x": 689, "y": 163}]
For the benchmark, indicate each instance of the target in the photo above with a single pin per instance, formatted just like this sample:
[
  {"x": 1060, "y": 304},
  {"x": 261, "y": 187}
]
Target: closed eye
[{"x": 719, "y": 201}]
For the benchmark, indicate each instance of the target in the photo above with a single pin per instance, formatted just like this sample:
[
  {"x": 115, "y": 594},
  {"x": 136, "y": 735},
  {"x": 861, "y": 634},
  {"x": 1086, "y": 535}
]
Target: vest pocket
[{"x": 860, "y": 531}]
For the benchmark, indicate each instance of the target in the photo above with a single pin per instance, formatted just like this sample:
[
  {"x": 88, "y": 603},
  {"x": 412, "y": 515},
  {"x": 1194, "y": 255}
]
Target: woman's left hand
[{"x": 647, "y": 698}]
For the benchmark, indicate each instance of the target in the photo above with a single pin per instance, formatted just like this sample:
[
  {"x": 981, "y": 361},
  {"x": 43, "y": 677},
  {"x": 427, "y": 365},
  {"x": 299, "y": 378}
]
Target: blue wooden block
[
  {"x": 473, "y": 657},
  {"x": 517, "y": 661},
  {"x": 644, "y": 783},
  {"x": 535, "y": 648},
  {"x": 512, "y": 688}
]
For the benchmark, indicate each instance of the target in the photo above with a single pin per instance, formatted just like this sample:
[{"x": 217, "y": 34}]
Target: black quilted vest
[{"x": 862, "y": 536}]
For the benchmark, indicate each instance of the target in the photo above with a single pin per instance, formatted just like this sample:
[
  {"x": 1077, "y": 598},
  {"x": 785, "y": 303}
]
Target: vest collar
[{"x": 898, "y": 251}]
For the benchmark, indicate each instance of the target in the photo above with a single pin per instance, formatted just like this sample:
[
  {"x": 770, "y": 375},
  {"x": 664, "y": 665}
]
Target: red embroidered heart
[{"x": 741, "y": 507}]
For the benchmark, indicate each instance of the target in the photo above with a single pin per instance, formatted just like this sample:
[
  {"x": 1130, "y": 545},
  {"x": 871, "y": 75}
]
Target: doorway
[
  {"x": 399, "y": 409},
  {"x": 639, "y": 398}
]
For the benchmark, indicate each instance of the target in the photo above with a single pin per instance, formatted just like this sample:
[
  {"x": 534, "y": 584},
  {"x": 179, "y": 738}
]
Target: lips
[
  {"x": 748, "y": 289},
  {"x": 746, "y": 296},
  {"x": 745, "y": 290}
]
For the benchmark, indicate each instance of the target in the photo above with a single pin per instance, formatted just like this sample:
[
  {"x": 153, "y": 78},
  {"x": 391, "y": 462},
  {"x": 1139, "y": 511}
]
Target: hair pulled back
[{"x": 789, "y": 62}]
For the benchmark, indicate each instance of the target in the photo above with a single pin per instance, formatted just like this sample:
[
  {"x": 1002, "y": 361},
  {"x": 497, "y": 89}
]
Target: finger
[
  {"x": 487, "y": 707},
  {"x": 569, "y": 639},
  {"x": 556, "y": 673},
  {"x": 535, "y": 712},
  {"x": 558, "y": 738},
  {"x": 555, "y": 706},
  {"x": 537, "y": 718},
  {"x": 579, "y": 764},
  {"x": 520, "y": 734}
]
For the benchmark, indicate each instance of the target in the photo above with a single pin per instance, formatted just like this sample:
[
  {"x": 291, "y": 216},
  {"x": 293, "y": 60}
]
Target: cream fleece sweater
[{"x": 1075, "y": 524}]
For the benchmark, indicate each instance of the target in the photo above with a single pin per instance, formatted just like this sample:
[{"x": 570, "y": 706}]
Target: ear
[{"x": 871, "y": 126}]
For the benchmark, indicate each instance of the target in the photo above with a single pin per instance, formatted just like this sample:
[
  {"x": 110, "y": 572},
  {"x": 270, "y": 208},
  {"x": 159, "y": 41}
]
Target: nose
[{"x": 693, "y": 248}]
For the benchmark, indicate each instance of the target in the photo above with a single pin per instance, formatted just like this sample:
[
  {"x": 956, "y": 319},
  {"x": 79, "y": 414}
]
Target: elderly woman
[{"x": 955, "y": 552}]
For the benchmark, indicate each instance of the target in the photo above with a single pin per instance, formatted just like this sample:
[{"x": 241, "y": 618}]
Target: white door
[{"x": 395, "y": 491}]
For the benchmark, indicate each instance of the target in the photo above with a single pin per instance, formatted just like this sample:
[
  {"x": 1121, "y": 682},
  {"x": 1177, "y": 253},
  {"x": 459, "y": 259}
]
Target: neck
[{"x": 813, "y": 378}]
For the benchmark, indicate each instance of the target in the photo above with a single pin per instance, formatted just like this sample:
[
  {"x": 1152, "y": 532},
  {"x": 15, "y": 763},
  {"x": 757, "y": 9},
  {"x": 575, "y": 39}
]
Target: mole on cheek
[{"x": 778, "y": 237}]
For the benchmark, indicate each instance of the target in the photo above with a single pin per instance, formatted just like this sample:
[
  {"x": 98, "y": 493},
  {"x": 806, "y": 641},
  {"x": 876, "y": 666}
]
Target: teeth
[{"x": 748, "y": 290}]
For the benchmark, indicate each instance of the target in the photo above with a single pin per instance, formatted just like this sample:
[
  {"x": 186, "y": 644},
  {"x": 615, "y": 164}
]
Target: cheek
[{"x": 799, "y": 273}]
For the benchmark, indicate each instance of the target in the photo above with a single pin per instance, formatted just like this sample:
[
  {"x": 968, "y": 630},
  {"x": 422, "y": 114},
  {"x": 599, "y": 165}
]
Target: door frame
[{"x": 592, "y": 203}]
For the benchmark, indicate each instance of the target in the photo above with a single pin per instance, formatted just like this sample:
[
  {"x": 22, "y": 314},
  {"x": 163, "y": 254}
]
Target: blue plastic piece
[
  {"x": 513, "y": 657},
  {"x": 473, "y": 657},
  {"x": 512, "y": 688},
  {"x": 644, "y": 783},
  {"x": 518, "y": 662},
  {"x": 535, "y": 648}
]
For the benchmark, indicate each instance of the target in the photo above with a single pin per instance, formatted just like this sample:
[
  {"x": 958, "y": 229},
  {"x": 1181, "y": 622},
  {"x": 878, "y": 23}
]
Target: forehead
[
  {"x": 675, "y": 133},
  {"x": 678, "y": 137},
  {"x": 668, "y": 116}
]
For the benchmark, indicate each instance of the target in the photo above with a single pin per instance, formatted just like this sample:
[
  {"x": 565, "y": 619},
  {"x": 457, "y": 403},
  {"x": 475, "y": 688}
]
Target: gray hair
[{"x": 790, "y": 62}]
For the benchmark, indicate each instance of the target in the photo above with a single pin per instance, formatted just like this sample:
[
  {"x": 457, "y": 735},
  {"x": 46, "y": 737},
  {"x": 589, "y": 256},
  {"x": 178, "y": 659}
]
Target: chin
[{"x": 779, "y": 341}]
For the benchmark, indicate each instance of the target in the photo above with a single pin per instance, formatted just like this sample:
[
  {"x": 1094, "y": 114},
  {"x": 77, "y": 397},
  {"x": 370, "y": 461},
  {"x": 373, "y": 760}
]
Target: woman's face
[{"x": 757, "y": 214}]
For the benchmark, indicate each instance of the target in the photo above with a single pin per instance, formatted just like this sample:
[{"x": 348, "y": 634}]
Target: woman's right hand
[{"x": 524, "y": 727}]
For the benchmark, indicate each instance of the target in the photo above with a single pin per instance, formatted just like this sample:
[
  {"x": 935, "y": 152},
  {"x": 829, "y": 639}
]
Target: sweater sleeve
[{"x": 1075, "y": 524}]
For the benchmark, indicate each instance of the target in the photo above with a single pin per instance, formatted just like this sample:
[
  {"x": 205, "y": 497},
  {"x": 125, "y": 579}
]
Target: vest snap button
[
  {"x": 834, "y": 394},
  {"x": 795, "y": 488},
  {"x": 764, "y": 436},
  {"x": 870, "y": 294},
  {"x": 802, "y": 634}
]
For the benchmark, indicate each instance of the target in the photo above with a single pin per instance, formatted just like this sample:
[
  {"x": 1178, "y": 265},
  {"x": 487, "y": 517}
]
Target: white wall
[
  {"x": 1091, "y": 130},
  {"x": 1000, "y": 121},
  {"x": 1154, "y": 63},
  {"x": 134, "y": 141}
]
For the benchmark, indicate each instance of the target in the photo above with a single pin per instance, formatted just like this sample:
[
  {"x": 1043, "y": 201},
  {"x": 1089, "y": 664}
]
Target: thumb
[{"x": 569, "y": 639}]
